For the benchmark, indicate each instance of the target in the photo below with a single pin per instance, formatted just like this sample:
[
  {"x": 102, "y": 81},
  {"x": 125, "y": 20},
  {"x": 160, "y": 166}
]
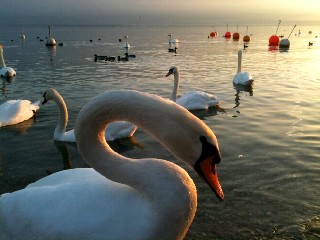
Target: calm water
[{"x": 269, "y": 136}]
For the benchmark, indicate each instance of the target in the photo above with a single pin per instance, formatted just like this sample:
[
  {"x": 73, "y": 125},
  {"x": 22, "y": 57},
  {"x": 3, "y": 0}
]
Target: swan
[
  {"x": 126, "y": 44},
  {"x": 243, "y": 78},
  {"x": 193, "y": 100},
  {"x": 16, "y": 111},
  {"x": 115, "y": 130},
  {"x": 119, "y": 197},
  {"x": 172, "y": 41},
  {"x": 4, "y": 70}
]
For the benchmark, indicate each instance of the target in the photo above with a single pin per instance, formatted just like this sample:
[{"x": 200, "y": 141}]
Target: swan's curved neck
[
  {"x": 154, "y": 114},
  {"x": 2, "y": 63},
  {"x": 175, "y": 86},
  {"x": 63, "y": 114},
  {"x": 239, "y": 61}
]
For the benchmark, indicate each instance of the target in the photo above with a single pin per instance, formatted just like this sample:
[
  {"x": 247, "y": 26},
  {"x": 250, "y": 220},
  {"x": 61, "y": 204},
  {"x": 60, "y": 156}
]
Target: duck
[
  {"x": 173, "y": 49},
  {"x": 243, "y": 78},
  {"x": 193, "y": 100},
  {"x": 110, "y": 59},
  {"x": 119, "y": 197},
  {"x": 125, "y": 58},
  {"x": 99, "y": 57},
  {"x": 6, "y": 72},
  {"x": 16, "y": 111},
  {"x": 310, "y": 44},
  {"x": 130, "y": 55},
  {"x": 115, "y": 130},
  {"x": 172, "y": 40}
]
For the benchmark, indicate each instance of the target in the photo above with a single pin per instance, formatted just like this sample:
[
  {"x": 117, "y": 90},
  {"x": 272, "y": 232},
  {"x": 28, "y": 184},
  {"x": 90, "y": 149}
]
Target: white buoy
[{"x": 285, "y": 43}]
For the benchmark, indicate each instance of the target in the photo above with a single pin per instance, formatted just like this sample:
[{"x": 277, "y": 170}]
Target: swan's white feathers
[{"x": 16, "y": 111}]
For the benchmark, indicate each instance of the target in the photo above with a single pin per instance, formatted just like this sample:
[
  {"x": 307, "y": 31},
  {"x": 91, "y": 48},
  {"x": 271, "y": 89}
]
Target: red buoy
[
  {"x": 236, "y": 36},
  {"x": 213, "y": 34},
  {"x": 227, "y": 35},
  {"x": 274, "y": 40}
]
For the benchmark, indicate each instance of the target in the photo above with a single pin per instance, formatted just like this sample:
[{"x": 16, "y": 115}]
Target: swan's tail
[{"x": 36, "y": 105}]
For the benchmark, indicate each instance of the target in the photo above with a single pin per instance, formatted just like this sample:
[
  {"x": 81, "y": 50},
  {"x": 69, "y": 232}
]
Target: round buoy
[
  {"x": 227, "y": 35},
  {"x": 274, "y": 40},
  {"x": 213, "y": 34},
  {"x": 246, "y": 38},
  {"x": 51, "y": 42},
  {"x": 236, "y": 36},
  {"x": 284, "y": 43}
]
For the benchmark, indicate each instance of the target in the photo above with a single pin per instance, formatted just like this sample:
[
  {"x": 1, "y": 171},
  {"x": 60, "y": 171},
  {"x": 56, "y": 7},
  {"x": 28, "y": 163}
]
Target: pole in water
[
  {"x": 292, "y": 30},
  {"x": 278, "y": 26}
]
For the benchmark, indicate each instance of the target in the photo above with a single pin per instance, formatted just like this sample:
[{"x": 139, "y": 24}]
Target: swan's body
[
  {"x": 243, "y": 78},
  {"x": 16, "y": 111},
  {"x": 4, "y": 70},
  {"x": 115, "y": 130},
  {"x": 193, "y": 100},
  {"x": 126, "y": 44},
  {"x": 172, "y": 40},
  {"x": 128, "y": 198}
]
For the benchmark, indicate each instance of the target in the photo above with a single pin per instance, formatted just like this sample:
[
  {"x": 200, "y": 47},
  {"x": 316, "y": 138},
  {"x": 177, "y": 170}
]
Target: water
[{"x": 269, "y": 135}]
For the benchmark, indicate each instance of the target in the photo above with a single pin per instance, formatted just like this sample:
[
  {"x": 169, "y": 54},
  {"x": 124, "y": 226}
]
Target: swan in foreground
[
  {"x": 115, "y": 130},
  {"x": 243, "y": 78},
  {"x": 119, "y": 197},
  {"x": 16, "y": 111},
  {"x": 4, "y": 70},
  {"x": 193, "y": 100},
  {"x": 172, "y": 40}
]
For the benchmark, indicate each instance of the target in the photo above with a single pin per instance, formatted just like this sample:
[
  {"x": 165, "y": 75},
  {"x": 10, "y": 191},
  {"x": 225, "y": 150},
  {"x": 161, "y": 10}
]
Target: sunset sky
[{"x": 167, "y": 11}]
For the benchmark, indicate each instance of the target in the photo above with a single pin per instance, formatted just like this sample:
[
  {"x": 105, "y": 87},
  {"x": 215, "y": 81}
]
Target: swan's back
[
  {"x": 243, "y": 78},
  {"x": 195, "y": 100},
  {"x": 16, "y": 111}
]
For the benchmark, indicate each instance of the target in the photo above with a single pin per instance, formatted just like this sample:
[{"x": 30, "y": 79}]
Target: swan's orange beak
[{"x": 208, "y": 171}]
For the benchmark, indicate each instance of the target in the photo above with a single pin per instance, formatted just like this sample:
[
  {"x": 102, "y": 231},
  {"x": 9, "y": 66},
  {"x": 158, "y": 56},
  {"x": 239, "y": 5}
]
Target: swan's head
[
  {"x": 173, "y": 70},
  {"x": 49, "y": 94},
  {"x": 8, "y": 73}
]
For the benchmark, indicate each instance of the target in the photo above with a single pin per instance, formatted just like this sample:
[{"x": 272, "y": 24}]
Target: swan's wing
[
  {"x": 197, "y": 100},
  {"x": 73, "y": 204},
  {"x": 120, "y": 129},
  {"x": 15, "y": 111},
  {"x": 242, "y": 78}
]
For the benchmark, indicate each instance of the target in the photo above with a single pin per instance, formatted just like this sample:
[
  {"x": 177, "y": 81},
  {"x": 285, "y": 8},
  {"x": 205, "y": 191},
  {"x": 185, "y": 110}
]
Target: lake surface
[{"x": 269, "y": 135}]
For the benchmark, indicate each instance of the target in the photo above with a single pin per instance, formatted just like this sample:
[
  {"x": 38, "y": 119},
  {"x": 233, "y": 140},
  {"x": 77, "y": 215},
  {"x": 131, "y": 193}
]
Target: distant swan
[
  {"x": 16, "y": 111},
  {"x": 193, "y": 100},
  {"x": 126, "y": 44},
  {"x": 172, "y": 40},
  {"x": 115, "y": 130},
  {"x": 4, "y": 70},
  {"x": 243, "y": 78},
  {"x": 120, "y": 197}
]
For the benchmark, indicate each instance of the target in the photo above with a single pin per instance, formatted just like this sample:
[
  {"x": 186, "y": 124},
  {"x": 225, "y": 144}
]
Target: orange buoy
[
  {"x": 236, "y": 36},
  {"x": 246, "y": 38},
  {"x": 274, "y": 40}
]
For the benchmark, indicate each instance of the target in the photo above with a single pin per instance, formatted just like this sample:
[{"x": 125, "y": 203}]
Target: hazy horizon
[{"x": 153, "y": 12}]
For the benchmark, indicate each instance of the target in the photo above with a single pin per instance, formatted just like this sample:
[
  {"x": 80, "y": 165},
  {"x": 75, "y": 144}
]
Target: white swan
[
  {"x": 50, "y": 41},
  {"x": 172, "y": 40},
  {"x": 120, "y": 198},
  {"x": 193, "y": 100},
  {"x": 243, "y": 78},
  {"x": 126, "y": 44},
  {"x": 4, "y": 70},
  {"x": 16, "y": 111},
  {"x": 115, "y": 130}
]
